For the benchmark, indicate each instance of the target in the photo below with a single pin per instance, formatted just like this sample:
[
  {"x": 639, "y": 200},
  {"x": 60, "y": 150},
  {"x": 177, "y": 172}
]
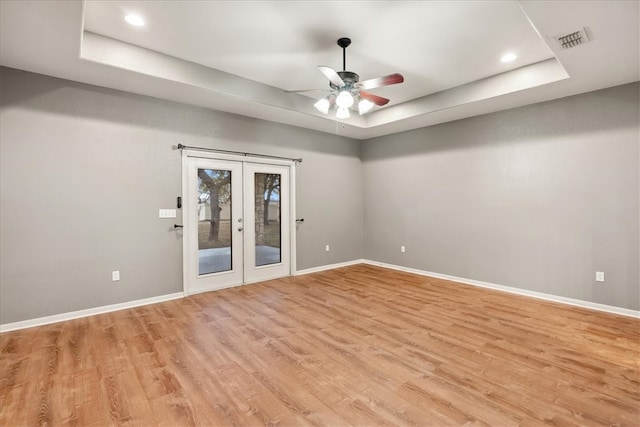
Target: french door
[{"x": 237, "y": 222}]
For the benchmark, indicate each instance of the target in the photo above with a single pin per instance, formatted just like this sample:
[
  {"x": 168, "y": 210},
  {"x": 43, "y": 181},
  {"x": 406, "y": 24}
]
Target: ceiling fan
[{"x": 347, "y": 89}]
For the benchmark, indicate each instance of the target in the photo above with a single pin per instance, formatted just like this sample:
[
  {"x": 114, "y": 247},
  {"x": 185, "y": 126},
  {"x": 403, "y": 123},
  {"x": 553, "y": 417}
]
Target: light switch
[
  {"x": 167, "y": 213},
  {"x": 599, "y": 276}
]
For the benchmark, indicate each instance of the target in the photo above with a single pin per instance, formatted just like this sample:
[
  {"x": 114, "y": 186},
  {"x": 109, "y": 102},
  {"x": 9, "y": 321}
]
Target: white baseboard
[
  {"x": 518, "y": 291},
  {"x": 329, "y": 267},
  {"x": 87, "y": 312},
  {"x": 137, "y": 303},
  {"x": 47, "y": 320}
]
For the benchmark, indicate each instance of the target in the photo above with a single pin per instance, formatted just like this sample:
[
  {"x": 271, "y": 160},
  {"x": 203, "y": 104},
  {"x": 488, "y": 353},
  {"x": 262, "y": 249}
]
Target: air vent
[{"x": 573, "y": 39}]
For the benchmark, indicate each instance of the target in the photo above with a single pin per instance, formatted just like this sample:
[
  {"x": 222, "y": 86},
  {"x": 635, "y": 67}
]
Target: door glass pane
[
  {"x": 267, "y": 214},
  {"x": 214, "y": 221}
]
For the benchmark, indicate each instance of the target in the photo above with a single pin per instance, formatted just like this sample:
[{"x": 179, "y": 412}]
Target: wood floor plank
[{"x": 359, "y": 345}]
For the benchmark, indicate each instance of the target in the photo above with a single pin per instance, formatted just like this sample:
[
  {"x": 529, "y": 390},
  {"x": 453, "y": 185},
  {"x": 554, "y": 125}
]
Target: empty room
[{"x": 319, "y": 213}]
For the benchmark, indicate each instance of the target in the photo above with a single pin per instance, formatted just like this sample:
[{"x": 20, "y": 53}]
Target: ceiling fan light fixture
[
  {"x": 346, "y": 88},
  {"x": 342, "y": 113},
  {"x": 364, "y": 106},
  {"x": 322, "y": 105},
  {"x": 344, "y": 100}
]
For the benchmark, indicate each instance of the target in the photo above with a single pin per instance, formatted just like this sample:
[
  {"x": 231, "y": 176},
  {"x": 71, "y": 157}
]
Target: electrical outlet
[
  {"x": 402, "y": 249},
  {"x": 600, "y": 276},
  {"x": 326, "y": 248},
  {"x": 115, "y": 276}
]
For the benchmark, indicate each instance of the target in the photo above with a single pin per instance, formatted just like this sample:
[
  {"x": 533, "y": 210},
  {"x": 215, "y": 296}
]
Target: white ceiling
[
  {"x": 240, "y": 56},
  {"x": 281, "y": 43}
]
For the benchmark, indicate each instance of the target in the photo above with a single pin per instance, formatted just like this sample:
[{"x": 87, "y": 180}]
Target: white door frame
[{"x": 291, "y": 164}]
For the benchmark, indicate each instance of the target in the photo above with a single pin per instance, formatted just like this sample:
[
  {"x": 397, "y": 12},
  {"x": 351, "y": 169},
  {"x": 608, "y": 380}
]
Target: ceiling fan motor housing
[{"x": 349, "y": 78}]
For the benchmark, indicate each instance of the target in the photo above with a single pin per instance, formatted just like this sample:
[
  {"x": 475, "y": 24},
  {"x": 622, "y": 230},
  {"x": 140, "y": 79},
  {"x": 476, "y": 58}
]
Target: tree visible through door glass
[
  {"x": 214, "y": 221},
  {"x": 267, "y": 218}
]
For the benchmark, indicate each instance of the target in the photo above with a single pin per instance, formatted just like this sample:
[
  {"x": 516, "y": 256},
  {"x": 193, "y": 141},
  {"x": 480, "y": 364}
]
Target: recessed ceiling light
[
  {"x": 508, "y": 57},
  {"x": 134, "y": 20}
]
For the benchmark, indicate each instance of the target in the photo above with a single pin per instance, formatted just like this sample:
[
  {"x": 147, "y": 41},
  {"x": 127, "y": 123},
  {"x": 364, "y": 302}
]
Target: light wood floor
[{"x": 360, "y": 345}]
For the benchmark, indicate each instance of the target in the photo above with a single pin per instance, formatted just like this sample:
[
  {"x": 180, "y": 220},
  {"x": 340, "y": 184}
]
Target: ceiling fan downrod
[{"x": 344, "y": 42}]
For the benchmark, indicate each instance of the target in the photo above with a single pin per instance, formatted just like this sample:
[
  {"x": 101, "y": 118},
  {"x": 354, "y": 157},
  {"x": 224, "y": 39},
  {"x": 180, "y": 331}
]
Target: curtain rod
[{"x": 265, "y": 156}]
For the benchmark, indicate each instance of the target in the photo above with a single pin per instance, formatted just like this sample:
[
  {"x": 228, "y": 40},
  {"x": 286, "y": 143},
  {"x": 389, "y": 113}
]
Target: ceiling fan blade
[
  {"x": 332, "y": 75},
  {"x": 378, "y": 100},
  {"x": 391, "y": 79}
]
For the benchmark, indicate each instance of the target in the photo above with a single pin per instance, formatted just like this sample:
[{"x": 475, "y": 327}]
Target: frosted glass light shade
[
  {"x": 342, "y": 113},
  {"x": 364, "y": 106},
  {"x": 322, "y": 105},
  {"x": 344, "y": 99}
]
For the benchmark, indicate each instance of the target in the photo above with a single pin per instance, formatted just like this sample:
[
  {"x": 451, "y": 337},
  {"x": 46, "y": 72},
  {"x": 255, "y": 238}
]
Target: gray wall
[
  {"x": 84, "y": 170},
  {"x": 538, "y": 198}
]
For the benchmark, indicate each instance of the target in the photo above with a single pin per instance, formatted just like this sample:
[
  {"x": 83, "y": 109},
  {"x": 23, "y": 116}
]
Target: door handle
[
  {"x": 178, "y": 226},
  {"x": 240, "y": 228}
]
